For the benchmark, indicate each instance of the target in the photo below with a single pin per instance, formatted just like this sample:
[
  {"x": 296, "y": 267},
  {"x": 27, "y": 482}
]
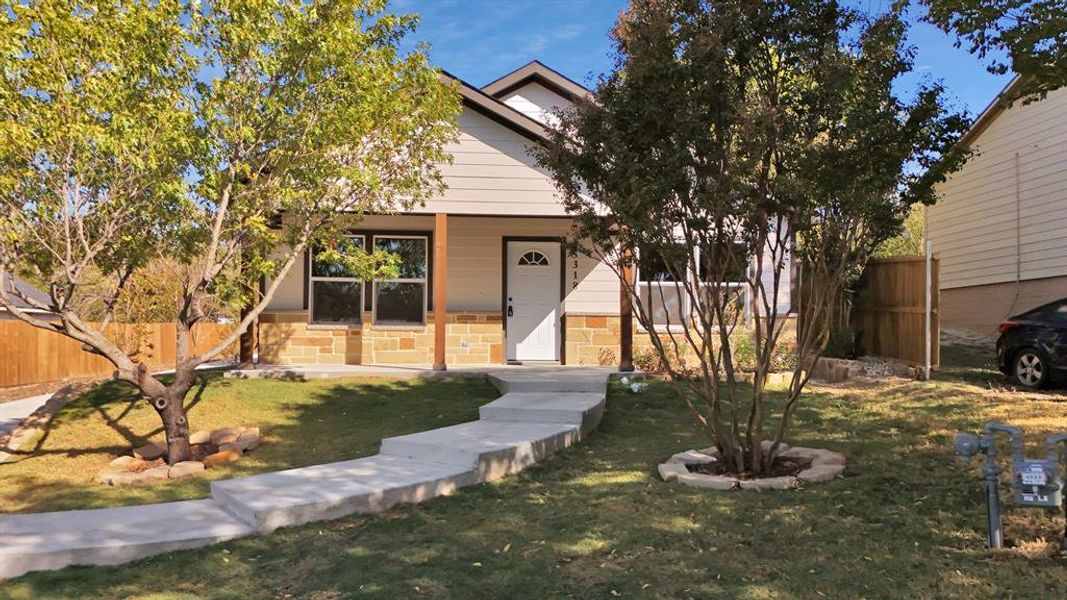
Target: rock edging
[
  {"x": 826, "y": 465},
  {"x": 146, "y": 463}
]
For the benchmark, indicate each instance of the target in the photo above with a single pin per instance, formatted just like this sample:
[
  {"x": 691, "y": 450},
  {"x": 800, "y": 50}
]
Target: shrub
[
  {"x": 842, "y": 344},
  {"x": 605, "y": 357},
  {"x": 649, "y": 361}
]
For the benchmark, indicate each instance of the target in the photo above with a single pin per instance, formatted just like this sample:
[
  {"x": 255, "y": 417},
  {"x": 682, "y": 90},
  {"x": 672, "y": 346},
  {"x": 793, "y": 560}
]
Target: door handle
[{"x": 511, "y": 311}]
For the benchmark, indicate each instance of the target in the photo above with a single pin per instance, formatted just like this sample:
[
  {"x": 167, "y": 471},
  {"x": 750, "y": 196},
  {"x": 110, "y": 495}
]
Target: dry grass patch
[{"x": 907, "y": 521}]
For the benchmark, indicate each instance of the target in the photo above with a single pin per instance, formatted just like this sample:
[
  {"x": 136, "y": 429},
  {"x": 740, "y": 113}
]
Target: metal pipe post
[{"x": 996, "y": 538}]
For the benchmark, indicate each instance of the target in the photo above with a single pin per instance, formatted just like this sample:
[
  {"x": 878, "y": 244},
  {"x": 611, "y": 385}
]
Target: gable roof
[
  {"x": 991, "y": 112},
  {"x": 13, "y": 283},
  {"x": 481, "y": 102},
  {"x": 536, "y": 72}
]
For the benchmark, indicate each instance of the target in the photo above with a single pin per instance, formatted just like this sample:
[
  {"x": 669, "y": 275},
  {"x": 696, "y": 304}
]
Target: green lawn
[
  {"x": 303, "y": 423},
  {"x": 594, "y": 522}
]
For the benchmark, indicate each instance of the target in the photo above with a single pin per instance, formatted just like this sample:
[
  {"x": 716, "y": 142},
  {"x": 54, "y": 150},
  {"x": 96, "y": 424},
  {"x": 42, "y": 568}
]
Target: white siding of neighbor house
[
  {"x": 493, "y": 174},
  {"x": 783, "y": 301},
  {"x": 1005, "y": 212},
  {"x": 537, "y": 102}
]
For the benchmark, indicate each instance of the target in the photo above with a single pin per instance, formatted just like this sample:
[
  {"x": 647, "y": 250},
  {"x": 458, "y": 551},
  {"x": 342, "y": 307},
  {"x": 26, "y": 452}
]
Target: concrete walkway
[
  {"x": 14, "y": 412},
  {"x": 541, "y": 411}
]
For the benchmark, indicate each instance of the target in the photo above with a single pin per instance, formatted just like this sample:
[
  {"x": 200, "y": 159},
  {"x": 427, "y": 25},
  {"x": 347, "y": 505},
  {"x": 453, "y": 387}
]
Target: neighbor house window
[
  {"x": 403, "y": 300},
  {"x": 335, "y": 292}
]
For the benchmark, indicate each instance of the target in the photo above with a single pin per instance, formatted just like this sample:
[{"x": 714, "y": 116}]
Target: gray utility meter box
[{"x": 1037, "y": 483}]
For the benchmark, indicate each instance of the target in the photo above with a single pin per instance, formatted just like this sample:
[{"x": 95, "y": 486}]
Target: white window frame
[
  {"x": 424, "y": 280},
  {"x": 312, "y": 278},
  {"x": 680, "y": 287}
]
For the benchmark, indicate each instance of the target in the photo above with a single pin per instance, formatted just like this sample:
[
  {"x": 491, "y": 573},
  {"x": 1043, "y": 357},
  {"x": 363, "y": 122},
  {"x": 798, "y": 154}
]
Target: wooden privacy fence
[
  {"x": 889, "y": 315},
  {"x": 31, "y": 355}
]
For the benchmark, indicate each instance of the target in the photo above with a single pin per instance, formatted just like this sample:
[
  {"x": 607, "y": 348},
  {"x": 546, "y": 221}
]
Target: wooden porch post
[
  {"x": 250, "y": 338},
  {"x": 626, "y": 320},
  {"x": 440, "y": 287},
  {"x": 248, "y": 342}
]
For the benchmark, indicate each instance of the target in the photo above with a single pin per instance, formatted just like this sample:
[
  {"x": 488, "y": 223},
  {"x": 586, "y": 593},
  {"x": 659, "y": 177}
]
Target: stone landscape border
[
  {"x": 224, "y": 445},
  {"x": 826, "y": 465}
]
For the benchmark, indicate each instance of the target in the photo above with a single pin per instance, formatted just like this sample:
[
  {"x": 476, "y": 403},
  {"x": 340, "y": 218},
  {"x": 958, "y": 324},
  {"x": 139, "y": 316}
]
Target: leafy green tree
[
  {"x": 1032, "y": 33},
  {"x": 909, "y": 242},
  {"x": 731, "y": 138},
  {"x": 224, "y": 137}
]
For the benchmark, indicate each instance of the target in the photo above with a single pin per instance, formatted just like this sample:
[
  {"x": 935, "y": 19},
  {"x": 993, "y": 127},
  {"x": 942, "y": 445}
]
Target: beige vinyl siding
[
  {"x": 537, "y": 102},
  {"x": 1005, "y": 213},
  {"x": 290, "y": 294},
  {"x": 493, "y": 174},
  {"x": 475, "y": 270}
]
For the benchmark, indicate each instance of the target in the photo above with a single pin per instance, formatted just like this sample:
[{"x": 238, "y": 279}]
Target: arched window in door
[{"x": 533, "y": 258}]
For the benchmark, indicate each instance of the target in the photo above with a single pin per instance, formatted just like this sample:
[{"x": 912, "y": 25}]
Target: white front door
[{"x": 533, "y": 305}]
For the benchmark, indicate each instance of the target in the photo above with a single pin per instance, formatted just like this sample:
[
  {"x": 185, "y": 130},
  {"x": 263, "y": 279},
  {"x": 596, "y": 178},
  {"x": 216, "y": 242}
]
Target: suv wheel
[{"x": 1030, "y": 368}]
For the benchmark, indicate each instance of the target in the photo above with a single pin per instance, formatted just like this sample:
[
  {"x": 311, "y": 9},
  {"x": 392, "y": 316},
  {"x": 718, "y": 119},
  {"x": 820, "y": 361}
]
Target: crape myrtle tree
[
  {"x": 136, "y": 132},
  {"x": 1031, "y": 33},
  {"x": 732, "y": 139}
]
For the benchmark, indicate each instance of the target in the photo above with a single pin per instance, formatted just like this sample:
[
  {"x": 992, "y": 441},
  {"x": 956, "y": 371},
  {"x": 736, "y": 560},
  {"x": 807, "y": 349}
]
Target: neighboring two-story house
[
  {"x": 1000, "y": 225},
  {"x": 484, "y": 280}
]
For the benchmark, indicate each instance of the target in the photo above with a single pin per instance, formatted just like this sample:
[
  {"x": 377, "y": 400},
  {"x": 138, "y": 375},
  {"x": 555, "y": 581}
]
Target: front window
[
  {"x": 661, "y": 288},
  {"x": 335, "y": 293},
  {"x": 403, "y": 300}
]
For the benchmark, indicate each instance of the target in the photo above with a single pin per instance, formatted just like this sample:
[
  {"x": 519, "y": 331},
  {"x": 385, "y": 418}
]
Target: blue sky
[{"x": 480, "y": 40}]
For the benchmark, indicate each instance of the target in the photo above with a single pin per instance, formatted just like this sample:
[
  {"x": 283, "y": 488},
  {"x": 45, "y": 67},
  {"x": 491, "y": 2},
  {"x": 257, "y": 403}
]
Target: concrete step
[
  {"x": 493, "y": 448},
  {"x": 329, "y": 491},
  {"x": 108, "y": 536},
  {"x": 576, "y": 408},
  {"x": 559, "y": 379}
]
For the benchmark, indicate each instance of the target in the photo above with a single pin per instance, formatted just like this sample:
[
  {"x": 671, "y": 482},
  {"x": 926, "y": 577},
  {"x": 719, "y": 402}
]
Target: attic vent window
[{"x": 533, "y": 258}]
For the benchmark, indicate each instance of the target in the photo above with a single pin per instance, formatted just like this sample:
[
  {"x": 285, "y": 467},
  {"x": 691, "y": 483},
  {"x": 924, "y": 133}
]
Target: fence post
[{"x": 928, "y": 321}]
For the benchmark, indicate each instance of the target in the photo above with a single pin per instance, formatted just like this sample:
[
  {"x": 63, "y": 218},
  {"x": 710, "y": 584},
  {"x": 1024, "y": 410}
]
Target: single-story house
[
  {"x": 17, "y": 285},
  {"x": 485, "y": 279},
  {"x": 1000, "y": 225}
]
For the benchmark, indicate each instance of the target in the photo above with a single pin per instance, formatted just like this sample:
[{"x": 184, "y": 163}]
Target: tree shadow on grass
[
  {"x": 301, "y": 424},
  {"x": 348, "y": 419},
  {"x": 594, "y": 520},
  {"x": 906, "y": 521},
  {"x": 97, "y": 400}
]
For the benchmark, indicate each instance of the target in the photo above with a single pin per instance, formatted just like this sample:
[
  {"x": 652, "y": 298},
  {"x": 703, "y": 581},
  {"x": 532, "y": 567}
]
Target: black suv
[{"x": 1032, "y": 347}]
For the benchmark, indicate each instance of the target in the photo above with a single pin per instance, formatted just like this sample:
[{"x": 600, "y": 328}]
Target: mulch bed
[{"x": 782, "y": 467}]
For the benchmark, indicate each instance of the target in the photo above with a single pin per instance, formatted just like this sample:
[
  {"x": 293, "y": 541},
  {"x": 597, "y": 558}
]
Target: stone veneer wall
[
  {"x": 594, "y": 339},
  {"x": 286, "y": 338}
]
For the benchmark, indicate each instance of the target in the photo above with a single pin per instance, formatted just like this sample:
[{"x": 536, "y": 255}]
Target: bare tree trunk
[
  {"x": 171, "y": 410},
  {"x": 248, "y": 342}
]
